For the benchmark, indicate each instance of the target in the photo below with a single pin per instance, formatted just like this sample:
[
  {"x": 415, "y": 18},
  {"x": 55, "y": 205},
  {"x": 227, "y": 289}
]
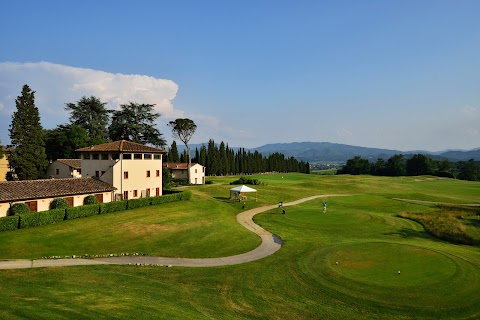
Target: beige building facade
[
  {"x": 64, "y": 168},
  {"x": 135, "y": 170},
  {"x": 179, "y": 171}
]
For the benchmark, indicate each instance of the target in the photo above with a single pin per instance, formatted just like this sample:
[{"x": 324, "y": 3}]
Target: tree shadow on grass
[
  {"x": 222, "y": 198},
  {"x": 410, "y": 234}
]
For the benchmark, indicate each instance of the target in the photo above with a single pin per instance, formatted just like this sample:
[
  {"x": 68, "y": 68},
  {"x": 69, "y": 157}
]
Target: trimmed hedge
[
  {"x": 82, "y": 211},
  {"x": 59, "y": 203},
  {"x": 90, "y": 200},
  {"x": 36, "y": 219},
  {"x": 139, "y": 203},
  {"x": 186, "y": 195},
  {"x": 28, "y": 220},
  {"x": 9, "y": 223},
  {"x": 113, "y": 206},
  {"x": 18, "y": 208}
]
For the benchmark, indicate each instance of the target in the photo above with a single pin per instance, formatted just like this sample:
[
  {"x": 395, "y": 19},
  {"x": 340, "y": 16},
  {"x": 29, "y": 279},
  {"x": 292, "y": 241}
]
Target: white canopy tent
[{"x": 239, "y": 193}]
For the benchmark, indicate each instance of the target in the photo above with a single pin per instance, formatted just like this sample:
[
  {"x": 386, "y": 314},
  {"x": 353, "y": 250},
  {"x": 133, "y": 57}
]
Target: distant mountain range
[
  {"x": 321, "y": 152},
  {"x": 333, "y": 152}
]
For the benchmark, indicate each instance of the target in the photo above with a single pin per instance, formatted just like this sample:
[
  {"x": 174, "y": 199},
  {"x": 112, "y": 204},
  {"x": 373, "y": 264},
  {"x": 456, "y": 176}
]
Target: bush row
[{"x": 35, "y": 219}]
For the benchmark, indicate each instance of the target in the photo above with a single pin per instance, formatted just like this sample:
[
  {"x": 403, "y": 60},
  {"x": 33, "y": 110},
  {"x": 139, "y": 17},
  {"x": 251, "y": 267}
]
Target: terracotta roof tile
[
  {"x": 50, "y": 188},
  {"x": 121, "y": 146},
  {"x": 172, "y": 165},
  {"x": 74, "y": 163}
]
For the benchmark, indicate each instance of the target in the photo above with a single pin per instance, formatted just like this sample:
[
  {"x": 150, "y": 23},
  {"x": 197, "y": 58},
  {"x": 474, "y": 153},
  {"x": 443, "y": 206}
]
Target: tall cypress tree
[
  {"x": 173, "y": 153},
  {"x": 27, "y": 158}
]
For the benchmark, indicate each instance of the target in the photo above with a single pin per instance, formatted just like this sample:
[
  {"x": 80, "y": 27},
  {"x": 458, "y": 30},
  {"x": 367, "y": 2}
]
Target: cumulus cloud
[{"x": 57, "y": 84}]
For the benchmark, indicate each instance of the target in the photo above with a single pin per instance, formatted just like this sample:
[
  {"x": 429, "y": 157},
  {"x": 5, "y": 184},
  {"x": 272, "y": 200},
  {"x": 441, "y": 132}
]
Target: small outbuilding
[{"x": 240, "y": 193}]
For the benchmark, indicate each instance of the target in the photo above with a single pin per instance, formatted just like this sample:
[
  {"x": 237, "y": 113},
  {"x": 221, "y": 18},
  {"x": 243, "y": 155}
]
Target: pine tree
[
  {"x": 90, "y": 114},
  {"x": 27, "y": 158}
]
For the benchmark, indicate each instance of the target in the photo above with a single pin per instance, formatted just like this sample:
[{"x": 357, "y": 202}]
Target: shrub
[
  {"x": 186, "y": 195},
  {"x": 443, "y": 225},
  {"x": 82, "y": 211},
  {"x": 9, "y": 223},
  {"x": 18, "y": 208},
  {"x": 36, "y": 219},
  {"x": 244, "y": 180},
  {"x": 113, "y": 206},
  {"x": 59, "y": 203},
  {"x": 138, "y": 203},
  {"x": 90, "y": 200}
]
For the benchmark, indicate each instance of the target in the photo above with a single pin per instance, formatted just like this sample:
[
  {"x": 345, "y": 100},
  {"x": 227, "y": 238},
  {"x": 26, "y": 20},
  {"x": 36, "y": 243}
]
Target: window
[
  {"x": 137, "y": 156},
  {"x": 157, "y": 192},
  {"x": 96, "y": 156},
  {"x": 157, "y": 173},
  {"x": 135, "y": 193},
  {"x": 125, "y": 195},
  {"x": 148, "y": 173},
  {"x": 125, "y": 174},
  {"x": 103, "y": 172},
  {"x": 195, "y": 170},
  {"x": 57, "y": 171},
  {"x": 148, "y": 192},
  {"x": 127, "y": 156},
  {"x": 97, "y": 174},
  {"x": 104, "y": 156},
  {"x": 115, "y": 156},
  {"x": 86, "y": 156},
  {"x": 147, "y": 156},
  {"x": 157, "y": 156}
]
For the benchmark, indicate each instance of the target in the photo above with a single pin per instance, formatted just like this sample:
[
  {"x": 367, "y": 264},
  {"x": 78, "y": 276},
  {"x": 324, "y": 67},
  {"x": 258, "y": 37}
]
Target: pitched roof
[
  {"x": 121, "y": 146},
  {"x": 74, "y": 163},
  {"x": 50, "y": 188},
  {"x": 173, "y": 165},
  {"x": 243, "y": 188}
]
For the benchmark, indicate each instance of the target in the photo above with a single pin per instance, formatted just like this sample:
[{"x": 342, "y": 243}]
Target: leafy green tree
[
  {"x": 90, "y": 114},
  {"x": 136, "y": 122},
  {"x": 357, "y": 165},
  {"x": 419, "y": 165},
  {"x": 18, "y": 208},
  {"x": 469, "y": 170},
  {"x": 183, "y": 129},
  {"x": 62, "y": 141},
  {"x": 396, "y": 166},
  {"x": 166, "y": 178},
  {"x": 379, "y": 167},
  {"x": 27, "y": 158}
]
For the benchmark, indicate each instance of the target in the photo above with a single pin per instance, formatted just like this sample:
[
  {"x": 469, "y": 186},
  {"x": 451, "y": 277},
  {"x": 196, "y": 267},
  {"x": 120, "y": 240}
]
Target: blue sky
[{"x": 390, "y": 74}]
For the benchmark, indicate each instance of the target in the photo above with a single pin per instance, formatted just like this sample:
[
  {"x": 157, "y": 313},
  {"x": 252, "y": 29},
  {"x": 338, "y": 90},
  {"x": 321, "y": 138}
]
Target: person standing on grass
[{"x": 324, "y": 207}]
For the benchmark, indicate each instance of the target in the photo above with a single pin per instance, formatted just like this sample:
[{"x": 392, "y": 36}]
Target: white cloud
[
  {"x": 468, "y": 109},
  {"x": 343, "y": 132},
  {"x": 57, "y": 84}
]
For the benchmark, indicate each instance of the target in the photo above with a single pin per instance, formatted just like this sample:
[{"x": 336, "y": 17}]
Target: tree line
[
  {"x": 418, "y": 164},
  {"x": 221, "y": 160},
  {"x": 90, "y": 123}
]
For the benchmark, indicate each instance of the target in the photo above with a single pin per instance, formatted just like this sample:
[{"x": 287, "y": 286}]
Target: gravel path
[{"x": 270, "y": 244}]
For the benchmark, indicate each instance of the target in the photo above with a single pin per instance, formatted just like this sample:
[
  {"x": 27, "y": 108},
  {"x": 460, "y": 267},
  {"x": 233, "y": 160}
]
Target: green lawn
[{"x": 361, "y": 233}]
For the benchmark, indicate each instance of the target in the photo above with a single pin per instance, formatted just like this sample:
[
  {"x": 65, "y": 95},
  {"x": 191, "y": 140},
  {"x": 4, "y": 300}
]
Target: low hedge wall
[
  {"x": 113, "y": 206},
  {"x": 9, "y": 223},
  {"x": 28, "y": 220},
  {"x": 35, "y": 219},
  {"x": 172, "y": 197},
  {"x": 139, "y": 203},
  {"x": 82, "y": 211}
]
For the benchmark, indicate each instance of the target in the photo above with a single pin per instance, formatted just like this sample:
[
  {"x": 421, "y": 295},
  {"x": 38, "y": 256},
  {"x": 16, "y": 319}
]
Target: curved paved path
[{"x": 270, "y": 244}]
